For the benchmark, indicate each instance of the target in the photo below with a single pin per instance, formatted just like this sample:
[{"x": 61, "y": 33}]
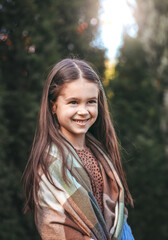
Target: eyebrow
[{"x": 74, "y": 98}]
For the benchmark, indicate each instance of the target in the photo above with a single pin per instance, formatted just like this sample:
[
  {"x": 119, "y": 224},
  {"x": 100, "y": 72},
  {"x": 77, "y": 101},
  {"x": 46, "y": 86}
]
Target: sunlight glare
[{"x": 116, "y": 16}]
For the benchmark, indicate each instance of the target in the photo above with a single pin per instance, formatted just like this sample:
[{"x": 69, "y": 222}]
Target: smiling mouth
[{"x": 81, "y": 122}]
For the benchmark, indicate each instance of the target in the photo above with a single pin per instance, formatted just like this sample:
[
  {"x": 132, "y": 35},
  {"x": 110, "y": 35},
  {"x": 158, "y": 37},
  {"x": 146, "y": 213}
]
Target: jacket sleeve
[
  {"x": 54, "y": 225},
  {"x": 52, "y": 221}
]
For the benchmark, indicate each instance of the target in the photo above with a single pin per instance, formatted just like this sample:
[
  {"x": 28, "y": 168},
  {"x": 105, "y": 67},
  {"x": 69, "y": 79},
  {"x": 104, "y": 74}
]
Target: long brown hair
[{"x": 47, "y": 131}]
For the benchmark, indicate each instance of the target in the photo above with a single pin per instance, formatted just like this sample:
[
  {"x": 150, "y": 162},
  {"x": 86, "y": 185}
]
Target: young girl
[{"x": 74, "y": 179}]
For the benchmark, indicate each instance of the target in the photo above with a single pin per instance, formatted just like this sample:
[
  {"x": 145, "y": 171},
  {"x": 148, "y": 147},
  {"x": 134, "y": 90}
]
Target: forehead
[{"x": 80, "y": 87}]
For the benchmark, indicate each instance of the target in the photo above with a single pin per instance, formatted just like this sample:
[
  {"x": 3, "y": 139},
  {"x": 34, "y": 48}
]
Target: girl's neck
[
  {"x": 80, "y": 147},
  {"x": 78, "y": 142}
]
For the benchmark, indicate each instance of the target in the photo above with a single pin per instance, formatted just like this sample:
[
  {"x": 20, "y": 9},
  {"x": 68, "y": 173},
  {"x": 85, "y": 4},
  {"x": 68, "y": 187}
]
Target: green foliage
[
  {"x": 140, "y": 111},
  {"x": 136, "y": 113},
  {"x": 152, "y": 20},
  {"x": 33, "y": 36},
  {"x": 13, "y": 224}
]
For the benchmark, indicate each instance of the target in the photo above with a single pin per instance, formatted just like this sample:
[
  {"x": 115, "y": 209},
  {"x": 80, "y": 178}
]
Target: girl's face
[{"x": 76, "y": 108}]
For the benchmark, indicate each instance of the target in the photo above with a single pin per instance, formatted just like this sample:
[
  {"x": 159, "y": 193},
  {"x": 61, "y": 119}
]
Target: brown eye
[
  {"x": 92, "y": 101},
  {"x": 73, "y": 102}
]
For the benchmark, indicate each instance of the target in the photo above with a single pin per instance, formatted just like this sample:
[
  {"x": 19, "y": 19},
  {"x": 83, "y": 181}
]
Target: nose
[{"x": 82, "y": 110}]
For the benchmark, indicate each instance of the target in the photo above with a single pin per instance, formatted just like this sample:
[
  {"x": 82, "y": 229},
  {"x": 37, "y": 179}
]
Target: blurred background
[{"x": 127, "y": 41}]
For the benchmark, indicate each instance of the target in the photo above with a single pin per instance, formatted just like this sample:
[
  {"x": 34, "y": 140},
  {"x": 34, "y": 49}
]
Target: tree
[
  {"x": 152, "y": 20},
  {"x": 135, "y": 110}
]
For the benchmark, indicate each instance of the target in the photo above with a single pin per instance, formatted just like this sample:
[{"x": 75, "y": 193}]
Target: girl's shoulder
[
  {"x": 57, "y": 158},
  {"x": 95, "y": 142},
  {"x": 92, "y": 139},
  {"x": 52, "y": 154},
  {"x": 53, "y": 151}
]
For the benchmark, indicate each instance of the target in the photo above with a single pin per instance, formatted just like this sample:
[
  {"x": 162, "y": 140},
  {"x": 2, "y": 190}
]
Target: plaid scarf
[{"x": 69, "y": 210}]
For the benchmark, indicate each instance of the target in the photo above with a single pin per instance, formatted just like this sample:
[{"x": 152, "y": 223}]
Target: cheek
[
  {"x": 94, "y": 112},
  {"x": 69, "y": 111},
  {"x": 65, "y": 112}
]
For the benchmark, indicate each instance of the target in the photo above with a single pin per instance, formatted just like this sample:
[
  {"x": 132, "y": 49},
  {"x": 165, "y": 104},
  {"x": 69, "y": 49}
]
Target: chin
[{"x": 81, "y": 132}]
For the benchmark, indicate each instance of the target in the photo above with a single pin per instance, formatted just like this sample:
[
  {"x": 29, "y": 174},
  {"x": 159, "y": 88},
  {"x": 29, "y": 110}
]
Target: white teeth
[{"x": 80, "y": 121}]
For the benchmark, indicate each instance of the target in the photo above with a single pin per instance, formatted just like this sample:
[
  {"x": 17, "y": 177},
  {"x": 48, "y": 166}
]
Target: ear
[{"x": 54, "y": 106}]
